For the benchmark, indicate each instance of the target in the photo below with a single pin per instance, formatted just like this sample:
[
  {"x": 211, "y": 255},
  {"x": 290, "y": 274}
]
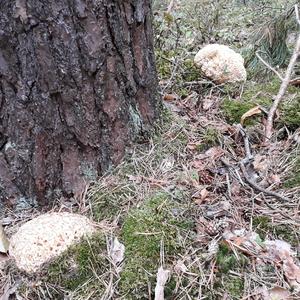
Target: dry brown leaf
[
  {"x": 239, "y": 240},
  {"x": 214, "y": 152},
  {"x": 172, "y": 107},
  {"x": 203, "y": 196},
  {"x": 218, "y": 210},
  {"x": 235, "y": 188},
  {"x": 260, "y": 163},
  {"x": 117, "y": 251},
  {"x": 277, "y": 293},
  {"x": 219, "y": 125},
  {"x": 275, "y": 179},
  {"x": 281, "y": 252},
  {"x": 208, "y": 102},
  {"x": 180, "y": 267},
  {"x": 278, "y": 250},
  {"x": 292, "y": 272},
  {"x": 253, "y": 111},
  {"x": 170, "y": 97},
  {"x": 136, "y": 179},
  {"x": 211, "y": 154},
  {"x": 161, "y": 280},
  {"x": 204, "y": 193},
  {"x": 201, "y": 225},
  {"x": 247, "y": 241},
  {"x": 200, "y": 165}
]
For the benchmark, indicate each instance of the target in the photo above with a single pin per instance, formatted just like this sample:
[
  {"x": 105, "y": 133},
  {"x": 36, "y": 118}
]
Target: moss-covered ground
[
  {"x": 293, "y": 178},
  {"x": 262, "y": 94},
  {"x": 172, "y": 200},
  {"x": 151, "y": 203},
  {"x": 157, "y": 227}
]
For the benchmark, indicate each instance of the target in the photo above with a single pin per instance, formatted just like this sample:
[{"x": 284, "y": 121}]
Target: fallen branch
[
  {"x": 284, "y": 85},
  {"x": 258, "y": 187},
  {"x": 247, "y": 160},
  {"x": 254, "y": 185},
  {"x": 269, "y": 66}
]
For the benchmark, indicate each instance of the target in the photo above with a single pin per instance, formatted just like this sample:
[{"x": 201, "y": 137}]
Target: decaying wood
[{"x": 77, "y": 84}]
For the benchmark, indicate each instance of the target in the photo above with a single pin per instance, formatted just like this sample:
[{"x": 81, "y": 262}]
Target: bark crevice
[{"x": 77, "y": 86}]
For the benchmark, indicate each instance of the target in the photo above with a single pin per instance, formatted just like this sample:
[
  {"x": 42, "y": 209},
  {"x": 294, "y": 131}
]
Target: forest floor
[{"x": 183, "y": 200}]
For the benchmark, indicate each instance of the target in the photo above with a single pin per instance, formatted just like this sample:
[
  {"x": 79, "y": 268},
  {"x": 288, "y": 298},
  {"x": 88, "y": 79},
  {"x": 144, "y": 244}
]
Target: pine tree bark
[{"x": 77, "y": 85}]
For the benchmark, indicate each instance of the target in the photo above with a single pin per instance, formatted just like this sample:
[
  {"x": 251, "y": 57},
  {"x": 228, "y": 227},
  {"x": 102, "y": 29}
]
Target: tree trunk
[{"x": 77, "y": 85}]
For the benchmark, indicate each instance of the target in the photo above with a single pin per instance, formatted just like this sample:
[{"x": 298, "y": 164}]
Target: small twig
[
  {"x": 193, "y": 83},
  {"x": 228, "y": 186},
  {"x": 269, "y": 66},
  {"x": 284, "y": 84},
  {"x": 278, "y": 210},
  {"x": 243, "y": 249},
  {"x": 254, "y": 184},
  {"x": 247, "y": 146},
  {"x": 247, "y": 160},
  {"x": 258, "y": 187}
]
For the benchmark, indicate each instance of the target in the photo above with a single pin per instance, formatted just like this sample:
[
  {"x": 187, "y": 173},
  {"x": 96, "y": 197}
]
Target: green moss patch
[
  {"x": 81, "y": 267},
  {"x": 254, "y": 94},
  {"x": 191, "y": 72},
  {"x": 164, "y": 62},
  {"x": 234, "y": 286},
  {"x": 154, "y": 227},
  {"x": 294, "y": 179},
  {"x": 262, "y": 94},
  {"x": 291, "y": 115},
  {"x": 210, "y": 137},
  {"x": 263, "y": 226},
  {"x": 227, "y": 261}
]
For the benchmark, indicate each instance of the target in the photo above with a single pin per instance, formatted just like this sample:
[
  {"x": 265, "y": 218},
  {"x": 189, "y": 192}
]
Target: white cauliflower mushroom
[
  {"x": 42, "y": 239},
  {"x": 221, "y": 64}
]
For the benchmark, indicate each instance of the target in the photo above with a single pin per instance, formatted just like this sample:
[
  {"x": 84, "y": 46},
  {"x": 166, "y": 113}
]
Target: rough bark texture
[{"x": 77, "y": 84}]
